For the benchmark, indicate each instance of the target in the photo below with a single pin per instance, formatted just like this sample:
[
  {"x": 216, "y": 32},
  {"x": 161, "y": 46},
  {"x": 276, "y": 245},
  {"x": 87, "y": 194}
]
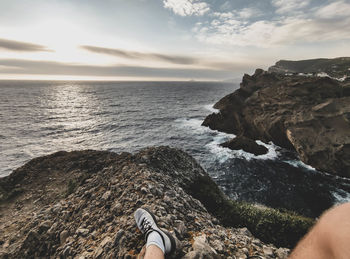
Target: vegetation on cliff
[{"x": 270, "y": 225}]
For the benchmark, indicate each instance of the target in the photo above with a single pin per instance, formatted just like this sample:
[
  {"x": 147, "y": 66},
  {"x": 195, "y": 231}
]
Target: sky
[{"x": 165, "y": 39}]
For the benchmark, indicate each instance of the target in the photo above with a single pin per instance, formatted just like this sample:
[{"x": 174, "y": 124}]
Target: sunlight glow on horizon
[{"x": 229, "y": 38}]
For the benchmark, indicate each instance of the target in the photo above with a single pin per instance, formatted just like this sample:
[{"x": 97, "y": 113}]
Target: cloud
[
  {"x": 21, "y": 46},
  {"x": 296, "y": 25},
  {"x": 335, "y": 10},
  {"x": 182, "y": 60},
  {"x": 243, "y": 14},
  {"x": 272, "y": 33},
  {"x": 187, "y": 7},
  {"x": 139, "y": 55},
  {"x": 288, "y": 6},
  {"x": 30, "y": 67}
]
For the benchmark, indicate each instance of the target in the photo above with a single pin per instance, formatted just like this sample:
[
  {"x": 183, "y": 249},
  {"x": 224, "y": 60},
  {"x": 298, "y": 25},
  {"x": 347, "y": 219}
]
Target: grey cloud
[
  {"x": 139, "y": 55},
  {"x": 29, "y": 67},
  {"x": 21, "y": 46},
  {"x": 212, "y": 65}
]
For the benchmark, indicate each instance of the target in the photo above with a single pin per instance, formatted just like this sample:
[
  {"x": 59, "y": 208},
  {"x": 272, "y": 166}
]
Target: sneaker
[{"x": 147, "y": 223}]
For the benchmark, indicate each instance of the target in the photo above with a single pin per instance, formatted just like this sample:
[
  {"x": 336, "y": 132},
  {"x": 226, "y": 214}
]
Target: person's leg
[
  {"x": 158, "y": 242},
  {"x": 154, "y": 252},
  {"x": 329, "y": 238}
]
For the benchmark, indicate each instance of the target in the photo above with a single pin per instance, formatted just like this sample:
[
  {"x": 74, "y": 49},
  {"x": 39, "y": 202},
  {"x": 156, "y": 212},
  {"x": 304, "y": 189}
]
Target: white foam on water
[
  {"x": 341, "y": 79},
  {"x": 341, "y": 196},
  {"x": 195, "y": 125},
  {"x": 322, "y": 74},
  {"x": 210, "y": 107},
  {"x": 223, "y": 153},
  {"x": 272, "y": 151},
  {"x": 220, "y": 153},
  {"x": 299, "y": 163}
]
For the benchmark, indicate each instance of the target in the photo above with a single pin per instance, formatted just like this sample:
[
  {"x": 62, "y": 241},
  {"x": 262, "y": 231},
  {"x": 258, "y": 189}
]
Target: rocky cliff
[
  {"x": 80, "y": 205},
  {"x": 308, "y": 114},
  {"x": 336, "y": 67}
]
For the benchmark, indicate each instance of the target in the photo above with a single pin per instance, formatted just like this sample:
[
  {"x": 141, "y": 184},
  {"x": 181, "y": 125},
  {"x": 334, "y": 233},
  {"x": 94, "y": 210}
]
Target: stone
[
  {"x": 106, "y": 241},
  {"x": 106, "y": 195},
  {"x": 82, "y": 231},
  {"x": 201, "y": 244},
  {"x": 218, "y": 246},
  {"x": 180, "y": 229},
  {"x": 268, "y": 251},
  {"x": 117, "y": 208},
  {"x": 98, "y": 252},
  {"x": 193, "y": 255},
  {"x": 44, "y": 226},
  {"x": 246, "y": 144},
  {"x": 63, "y": 236},
  {"x": 282, "y": 253},
  {"x": 118, "y": 236}
]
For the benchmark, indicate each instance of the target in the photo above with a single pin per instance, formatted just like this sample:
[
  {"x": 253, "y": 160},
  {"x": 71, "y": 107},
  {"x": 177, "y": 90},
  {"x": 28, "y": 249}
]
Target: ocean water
[{"x": 41, "y": 117}]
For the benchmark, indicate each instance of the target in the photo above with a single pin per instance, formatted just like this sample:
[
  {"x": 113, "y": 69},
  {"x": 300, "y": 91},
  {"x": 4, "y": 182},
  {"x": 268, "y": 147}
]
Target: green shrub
[{"x": 270, "y": 225}]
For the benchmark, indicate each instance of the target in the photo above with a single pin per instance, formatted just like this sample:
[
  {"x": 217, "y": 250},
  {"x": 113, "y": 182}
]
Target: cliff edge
[
  {"x": 310, "y": 115},
  {"x": 80, "y": 205},
  {"x": 334, "y": 67}
]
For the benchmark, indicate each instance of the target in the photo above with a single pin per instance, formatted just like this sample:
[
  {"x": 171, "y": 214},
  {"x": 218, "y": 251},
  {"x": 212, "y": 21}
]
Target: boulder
[{"x": 246, "y": 144}]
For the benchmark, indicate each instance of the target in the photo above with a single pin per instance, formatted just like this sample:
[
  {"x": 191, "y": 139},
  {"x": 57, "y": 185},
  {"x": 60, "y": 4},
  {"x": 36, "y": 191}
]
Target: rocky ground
[
  {"x": 310, "y": 115},
  {"x": 81, "y": 205}
]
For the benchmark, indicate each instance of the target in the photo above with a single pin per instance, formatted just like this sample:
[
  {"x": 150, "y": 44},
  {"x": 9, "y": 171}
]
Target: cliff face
[
  {"x": 308, "y": 114},
  {"x": 81, "y": 205},
  {"x": 336, "y": 67}
]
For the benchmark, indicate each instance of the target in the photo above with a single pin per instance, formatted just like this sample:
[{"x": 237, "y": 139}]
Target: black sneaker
[{"x": 147, "y": 223}]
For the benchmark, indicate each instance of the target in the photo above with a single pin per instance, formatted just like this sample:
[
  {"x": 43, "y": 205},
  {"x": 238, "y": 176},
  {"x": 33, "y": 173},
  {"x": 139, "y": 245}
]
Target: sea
[{"x": 41, "y": 117}]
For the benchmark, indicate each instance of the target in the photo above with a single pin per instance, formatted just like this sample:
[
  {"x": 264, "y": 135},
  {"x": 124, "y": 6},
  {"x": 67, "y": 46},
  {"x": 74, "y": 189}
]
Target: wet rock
[{"x": 247, "y": 144}]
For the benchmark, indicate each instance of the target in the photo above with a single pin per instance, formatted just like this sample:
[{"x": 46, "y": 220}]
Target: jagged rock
[
  {"x": 307, "y": 114},
  {"x": 247, "y": 144},
  {"x": 82, "y": 224}
]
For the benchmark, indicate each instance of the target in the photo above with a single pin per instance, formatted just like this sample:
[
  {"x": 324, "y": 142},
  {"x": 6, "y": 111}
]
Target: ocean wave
[
  {"x": 300, "y": 164},
  {"x": 216, "y": 138},
  {"x": 210, "y": 107},
  {"x": 194, "y": 124},
  {"x": 340, "y": 196}
]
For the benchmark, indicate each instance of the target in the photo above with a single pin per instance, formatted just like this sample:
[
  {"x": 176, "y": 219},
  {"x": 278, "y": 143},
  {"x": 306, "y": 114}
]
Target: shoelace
[{"x": 145, "y": 225}]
